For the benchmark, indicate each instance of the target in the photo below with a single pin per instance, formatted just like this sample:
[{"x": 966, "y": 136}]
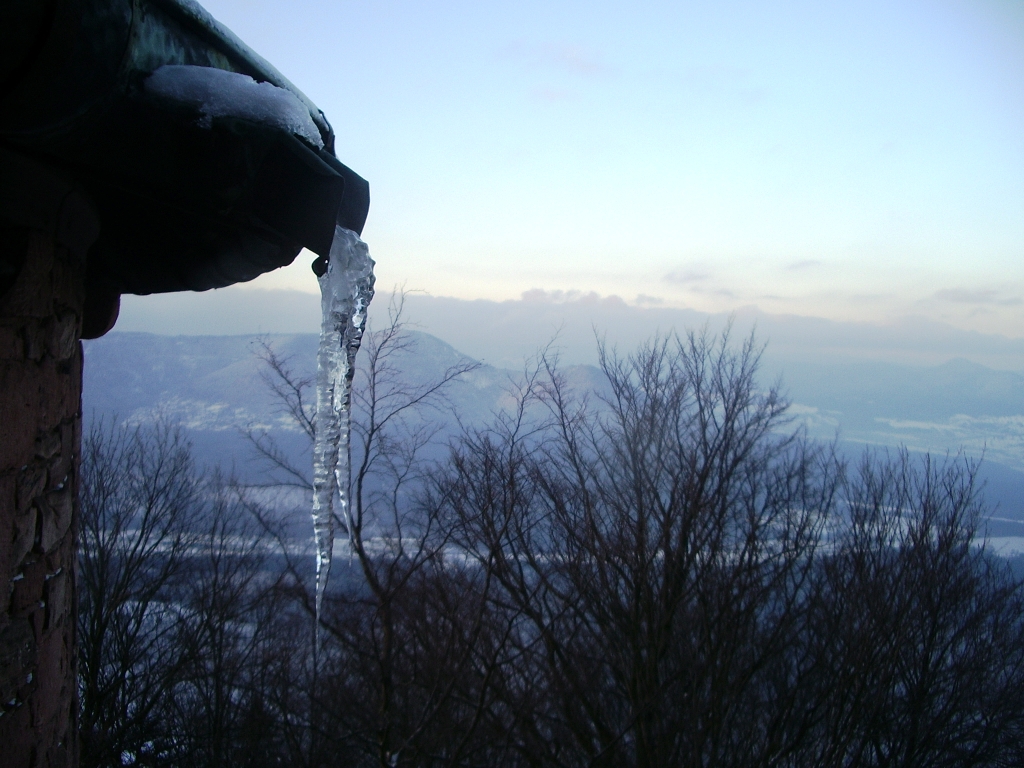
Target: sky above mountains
[{"x": 852, "y": 161}]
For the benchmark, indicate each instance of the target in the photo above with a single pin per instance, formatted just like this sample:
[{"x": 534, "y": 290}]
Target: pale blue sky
[{"x": 851, "y": 160}]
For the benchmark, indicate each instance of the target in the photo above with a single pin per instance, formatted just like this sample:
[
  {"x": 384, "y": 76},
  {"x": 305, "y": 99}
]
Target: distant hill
[
  {"x": 928, "y": 408},
  {"x": 502, "y": 333},
  {"x": 212, "y": 385}
]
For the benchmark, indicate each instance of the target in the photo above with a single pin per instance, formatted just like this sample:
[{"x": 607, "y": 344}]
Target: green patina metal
[{"x": 182, "y": 206}]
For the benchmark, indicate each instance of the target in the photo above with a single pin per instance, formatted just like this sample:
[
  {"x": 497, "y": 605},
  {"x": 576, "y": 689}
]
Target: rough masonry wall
[{"x": 40, "y": 424}]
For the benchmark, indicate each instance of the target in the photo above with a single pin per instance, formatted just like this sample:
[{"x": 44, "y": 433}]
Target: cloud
[
  {"x": 696, "y": 281},
  {"x": 685, "y": 276},
  {"x": 706, "y": 291},
  {"x": 540, "y": 296},
  {"x": 643, "y": 300},
  {"x": 981, "y": 296},
  {"x": 962, "y": 296}
]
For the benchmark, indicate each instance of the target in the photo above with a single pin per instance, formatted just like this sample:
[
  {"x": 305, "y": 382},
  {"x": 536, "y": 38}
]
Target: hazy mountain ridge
[
  {"x": 504, "y": 332},
  {"x": 213, "y": 386}
]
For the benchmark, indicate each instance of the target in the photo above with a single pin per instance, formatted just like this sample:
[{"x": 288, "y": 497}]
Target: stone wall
[
  {"x": 40, "y": 375},
  {"x": 41, "y": 303}
]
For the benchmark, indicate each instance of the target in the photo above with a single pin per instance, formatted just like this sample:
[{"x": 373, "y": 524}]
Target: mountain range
[{"x": 213, "y": 386}]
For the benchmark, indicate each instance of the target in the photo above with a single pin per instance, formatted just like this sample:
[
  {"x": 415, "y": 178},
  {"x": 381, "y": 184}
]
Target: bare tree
[
  {"x": 651, "y": 546},
  {"x": 181, "y": 621},
  {"x": 396, "y": 636},
  {"x": 663, "y": 572},
  {"x": 140, "y": 496},
  {"x": 919, "y": 631},
  {"x": 234, "y": 610},
  {"x": 689, "y": 582}
]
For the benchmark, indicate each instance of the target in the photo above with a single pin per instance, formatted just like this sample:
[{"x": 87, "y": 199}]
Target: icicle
[{"x": 346, "y": 289}]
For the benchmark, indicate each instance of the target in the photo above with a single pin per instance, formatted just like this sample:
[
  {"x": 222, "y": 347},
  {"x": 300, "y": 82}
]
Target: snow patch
[{"x": 219, "y": 93}]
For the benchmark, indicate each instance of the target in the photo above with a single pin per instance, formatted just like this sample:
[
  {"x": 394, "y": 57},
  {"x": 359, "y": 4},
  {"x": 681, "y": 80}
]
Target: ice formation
[
  {"x": 219, "y": 93},
  {"x": 346, "y": 289}
]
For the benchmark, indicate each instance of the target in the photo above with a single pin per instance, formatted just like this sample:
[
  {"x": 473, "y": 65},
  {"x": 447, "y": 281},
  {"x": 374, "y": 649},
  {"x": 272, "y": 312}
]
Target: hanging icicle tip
[{"x": 346, "y": 288}]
